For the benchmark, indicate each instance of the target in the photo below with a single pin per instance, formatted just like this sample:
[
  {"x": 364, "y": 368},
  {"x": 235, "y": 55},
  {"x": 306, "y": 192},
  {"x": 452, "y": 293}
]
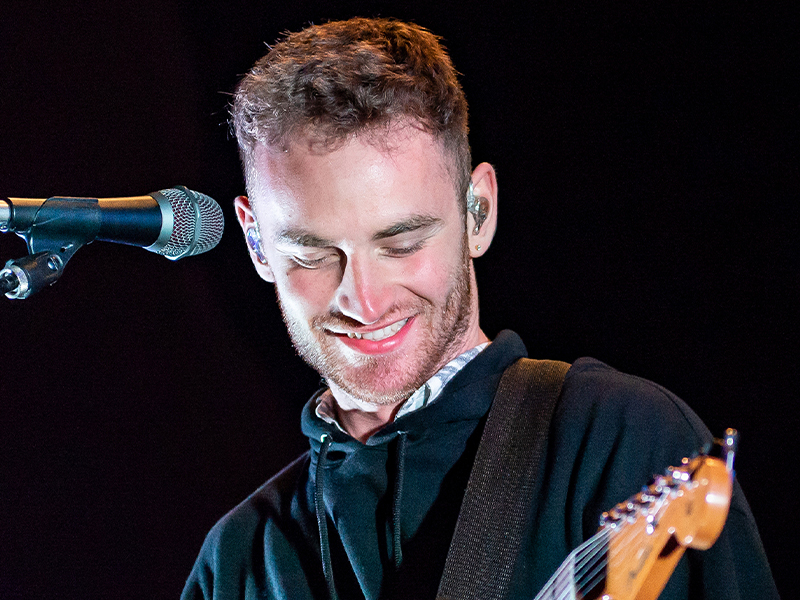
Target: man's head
[
  {"x": 353, "y": 137},
  {"x": 355, "y": 77}
]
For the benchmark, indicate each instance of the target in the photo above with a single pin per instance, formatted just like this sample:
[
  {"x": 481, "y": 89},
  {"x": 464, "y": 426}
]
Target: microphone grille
[{"x": 197, "y": 223}]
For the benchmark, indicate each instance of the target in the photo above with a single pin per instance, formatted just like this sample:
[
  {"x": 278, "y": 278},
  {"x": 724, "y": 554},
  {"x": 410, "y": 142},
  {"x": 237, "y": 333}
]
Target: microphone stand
[{"x": 52, "y": 239}]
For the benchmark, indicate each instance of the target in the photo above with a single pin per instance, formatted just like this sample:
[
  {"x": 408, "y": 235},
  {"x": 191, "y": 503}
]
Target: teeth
[{"x": 380, "y": 334}]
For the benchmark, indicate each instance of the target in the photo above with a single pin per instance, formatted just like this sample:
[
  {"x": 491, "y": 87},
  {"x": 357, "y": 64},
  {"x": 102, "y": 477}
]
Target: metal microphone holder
[{"x": 52, "y": 239}]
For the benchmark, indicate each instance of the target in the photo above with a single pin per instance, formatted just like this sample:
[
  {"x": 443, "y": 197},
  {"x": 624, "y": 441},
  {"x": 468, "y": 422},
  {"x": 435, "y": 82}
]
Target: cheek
[
  {"x": 429, "y": 275},
  {"x": 306, "y": 292}
]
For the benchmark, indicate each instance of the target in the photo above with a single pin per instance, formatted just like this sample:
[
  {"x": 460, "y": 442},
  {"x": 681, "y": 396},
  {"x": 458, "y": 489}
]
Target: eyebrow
[
  {"x": 301, "y": 237},
  {"x": 413, "y": 223}
]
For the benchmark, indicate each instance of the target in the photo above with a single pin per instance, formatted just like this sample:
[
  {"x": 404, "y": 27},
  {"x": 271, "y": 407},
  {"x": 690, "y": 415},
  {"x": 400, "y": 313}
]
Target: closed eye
[
  {"x": 315, "y": 262},
  {"x": 401, "y": 251}
]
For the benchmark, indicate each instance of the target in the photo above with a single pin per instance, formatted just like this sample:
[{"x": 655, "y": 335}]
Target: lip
[{"x": 383, "y": 346}]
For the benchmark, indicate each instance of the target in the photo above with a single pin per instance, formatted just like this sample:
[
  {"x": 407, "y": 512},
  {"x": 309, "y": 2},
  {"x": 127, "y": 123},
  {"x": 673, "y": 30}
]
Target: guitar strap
[{"x": 499, "y": 495}]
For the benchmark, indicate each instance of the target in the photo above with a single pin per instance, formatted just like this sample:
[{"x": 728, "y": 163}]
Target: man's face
[{"x": 366, "y": 246}]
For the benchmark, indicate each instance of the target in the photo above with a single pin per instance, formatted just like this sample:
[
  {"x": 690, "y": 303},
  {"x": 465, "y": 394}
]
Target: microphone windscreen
[{"x": 197, "y": 223}]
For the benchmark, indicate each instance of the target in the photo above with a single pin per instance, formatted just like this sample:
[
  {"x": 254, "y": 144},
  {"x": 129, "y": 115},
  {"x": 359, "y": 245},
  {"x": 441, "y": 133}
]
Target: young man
[{"x": 364, "y": 212}]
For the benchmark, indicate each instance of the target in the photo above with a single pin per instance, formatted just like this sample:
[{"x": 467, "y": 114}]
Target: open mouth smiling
[{"x": 377, "y": 335}]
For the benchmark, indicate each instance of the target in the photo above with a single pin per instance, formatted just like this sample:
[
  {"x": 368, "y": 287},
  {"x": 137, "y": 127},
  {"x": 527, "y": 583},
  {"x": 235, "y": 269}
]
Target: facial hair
[{"x": 379, "y": 379}]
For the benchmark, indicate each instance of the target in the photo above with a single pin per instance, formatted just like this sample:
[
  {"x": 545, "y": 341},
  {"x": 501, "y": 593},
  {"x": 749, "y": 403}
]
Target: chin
[
  {"x": 383, "y": 385},
  {"x": 380, "y": 380}
]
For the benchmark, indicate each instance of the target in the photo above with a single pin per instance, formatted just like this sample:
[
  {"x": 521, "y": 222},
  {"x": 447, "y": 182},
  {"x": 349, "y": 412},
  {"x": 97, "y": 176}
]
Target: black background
[{"x": 648, "y": 167}]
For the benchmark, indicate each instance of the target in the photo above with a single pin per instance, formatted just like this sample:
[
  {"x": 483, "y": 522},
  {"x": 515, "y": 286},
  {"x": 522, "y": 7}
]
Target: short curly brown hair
[{"x": 351, "y": 77}]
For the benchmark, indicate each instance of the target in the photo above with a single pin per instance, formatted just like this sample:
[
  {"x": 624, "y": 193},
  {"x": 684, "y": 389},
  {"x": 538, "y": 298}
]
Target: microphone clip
[
  {"x": 52, "y": 239},
  {"x": 25, "y": 276}
]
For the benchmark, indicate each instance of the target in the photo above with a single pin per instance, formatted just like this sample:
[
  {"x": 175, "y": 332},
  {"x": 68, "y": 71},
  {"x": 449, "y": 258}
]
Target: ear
[
  {"x": 247, "y": 221},
  {"x": 484, "y": 185}
]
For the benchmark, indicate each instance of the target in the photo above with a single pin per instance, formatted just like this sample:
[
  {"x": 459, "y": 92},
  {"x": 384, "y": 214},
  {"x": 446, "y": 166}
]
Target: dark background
[{"x": 648, "y": 167}]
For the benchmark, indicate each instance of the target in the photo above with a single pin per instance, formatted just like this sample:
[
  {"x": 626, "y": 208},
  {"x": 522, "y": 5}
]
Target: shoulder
[
  {"x": 270, "y": 503},
  {"x": 227, "y": 564},
  {"x": 613, "y": 431},
  {"x": 619, "y": 403}
]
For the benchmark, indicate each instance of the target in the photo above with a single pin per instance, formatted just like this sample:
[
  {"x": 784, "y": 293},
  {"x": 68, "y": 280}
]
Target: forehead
[{"x": 358, "y": 187}]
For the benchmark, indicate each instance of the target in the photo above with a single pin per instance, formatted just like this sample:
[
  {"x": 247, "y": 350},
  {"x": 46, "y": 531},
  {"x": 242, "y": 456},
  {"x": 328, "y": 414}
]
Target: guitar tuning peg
[
  {"x": 661, "y": 482},
  {"x": 725, "y": 447},
  {"x": 729, "y": 445}
]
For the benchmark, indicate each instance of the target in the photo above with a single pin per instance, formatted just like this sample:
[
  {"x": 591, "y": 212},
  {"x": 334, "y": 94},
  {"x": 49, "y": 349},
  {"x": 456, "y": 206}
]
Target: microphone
[{"x": 175, "y": 222}]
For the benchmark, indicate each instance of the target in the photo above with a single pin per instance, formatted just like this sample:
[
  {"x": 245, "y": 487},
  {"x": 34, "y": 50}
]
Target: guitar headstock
[{"x": 648, "y": 533}]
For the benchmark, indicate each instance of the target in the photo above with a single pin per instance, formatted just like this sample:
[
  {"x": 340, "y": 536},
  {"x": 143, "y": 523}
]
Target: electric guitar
[{"x": 641, "y": 540}]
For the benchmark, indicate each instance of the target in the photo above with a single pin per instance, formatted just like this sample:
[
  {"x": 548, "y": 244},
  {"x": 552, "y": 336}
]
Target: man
[{"x": 365, "y": 214}]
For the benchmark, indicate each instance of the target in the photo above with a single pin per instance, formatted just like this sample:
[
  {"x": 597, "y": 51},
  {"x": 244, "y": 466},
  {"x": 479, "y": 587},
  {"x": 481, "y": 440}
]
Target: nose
[{"x": 364, "y": 292}]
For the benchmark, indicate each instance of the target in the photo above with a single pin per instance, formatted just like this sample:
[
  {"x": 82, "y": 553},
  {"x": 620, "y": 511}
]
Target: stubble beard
[{"x": 387, "y": 380}]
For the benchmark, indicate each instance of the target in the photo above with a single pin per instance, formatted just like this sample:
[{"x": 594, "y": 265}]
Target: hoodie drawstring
[
  {"x": 322, "y": 517},
  {"x": 397, "y": 503}
]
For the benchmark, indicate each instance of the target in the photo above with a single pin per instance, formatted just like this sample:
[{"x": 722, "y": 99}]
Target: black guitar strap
[{"x": 497, "y": 502}]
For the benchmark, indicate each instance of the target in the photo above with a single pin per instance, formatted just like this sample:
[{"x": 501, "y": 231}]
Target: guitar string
[
  {"x": 592, "y": 565},
  {"x": 576, "y": 560},
  {"x": 631, "y": 542},
  {"x": 589, "y": 559},
  {"x": 590, "y": 571},
  {"x": 590, "y": 579},
  {"x": 551, "y": 590},
  {"x": 582, "y": 558}
]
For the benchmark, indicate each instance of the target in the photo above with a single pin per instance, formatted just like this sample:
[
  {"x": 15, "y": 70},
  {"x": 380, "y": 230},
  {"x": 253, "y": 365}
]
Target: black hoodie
[{"x": 610, "y": 434}]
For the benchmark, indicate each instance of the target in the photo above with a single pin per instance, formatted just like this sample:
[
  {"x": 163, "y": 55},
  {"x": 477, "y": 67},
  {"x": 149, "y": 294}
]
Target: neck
[{"x": 362, "y": 419}]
